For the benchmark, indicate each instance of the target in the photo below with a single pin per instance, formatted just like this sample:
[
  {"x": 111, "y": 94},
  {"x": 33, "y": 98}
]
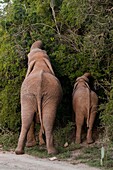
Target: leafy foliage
[
  {"x": 77, "y": 36},
  {"x": 63, "y": 135},
  {"x": 107, "y": 116}
]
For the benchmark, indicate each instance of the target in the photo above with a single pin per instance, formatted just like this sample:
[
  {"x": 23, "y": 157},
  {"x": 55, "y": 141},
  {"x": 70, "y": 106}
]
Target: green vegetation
[
  {"x": 77, "y": 36},
  {"x": 74, "y": 153},
  {"x": 8, "y": 140}
]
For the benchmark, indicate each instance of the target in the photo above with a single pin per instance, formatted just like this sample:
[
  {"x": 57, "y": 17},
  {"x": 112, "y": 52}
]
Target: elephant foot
[
  {"x": 42, "y": 142},
  {"x": 52, "y": 151},
  {"x": 78, "y": 141},
  {"x": 19, "y": 152},
  {"x": 31, "y": 144},
  {"x": 90, "y": 141}
]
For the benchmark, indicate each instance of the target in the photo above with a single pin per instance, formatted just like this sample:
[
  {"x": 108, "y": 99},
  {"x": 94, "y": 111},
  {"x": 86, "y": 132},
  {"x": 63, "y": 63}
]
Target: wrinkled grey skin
[
  {"x": 85, "y": 103},
  {"x": 41, "y": 93}
]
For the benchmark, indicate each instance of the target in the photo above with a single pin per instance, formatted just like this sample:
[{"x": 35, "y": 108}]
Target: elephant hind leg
[
  {"x": 49, "y": 112},
  {"x": 27, "y": 115},
  {"x": 41, "y": 140},
  {"x": 26, "y": 123},
  {"x": 31, "y": 141},
  {"x": 79, "y": 124},
  {"x": 40, "y": 134},
  {"x": 21, "y": 142},
  {"x": 89, "y": 132}
]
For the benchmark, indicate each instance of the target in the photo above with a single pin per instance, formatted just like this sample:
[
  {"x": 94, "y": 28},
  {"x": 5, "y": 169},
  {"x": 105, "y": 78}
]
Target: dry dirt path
[{"x": 10, "y": 161}]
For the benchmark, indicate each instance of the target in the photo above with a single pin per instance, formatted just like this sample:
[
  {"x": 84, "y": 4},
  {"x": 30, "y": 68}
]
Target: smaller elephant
[{"x": 84, "y": 101}]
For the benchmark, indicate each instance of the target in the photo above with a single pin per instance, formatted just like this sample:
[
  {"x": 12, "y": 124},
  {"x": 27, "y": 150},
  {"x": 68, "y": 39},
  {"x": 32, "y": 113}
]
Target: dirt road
[{"x": 10, "y": 161}]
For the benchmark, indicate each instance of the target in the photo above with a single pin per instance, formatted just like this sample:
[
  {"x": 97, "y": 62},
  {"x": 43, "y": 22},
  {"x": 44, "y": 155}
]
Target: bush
[{"x": 78, "y": 39}]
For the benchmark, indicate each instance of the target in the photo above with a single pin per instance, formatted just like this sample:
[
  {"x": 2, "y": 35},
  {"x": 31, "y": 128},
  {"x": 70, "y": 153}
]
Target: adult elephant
[
  {"x": 85, "y": 103},
  {"x": 41, "y": 93}
]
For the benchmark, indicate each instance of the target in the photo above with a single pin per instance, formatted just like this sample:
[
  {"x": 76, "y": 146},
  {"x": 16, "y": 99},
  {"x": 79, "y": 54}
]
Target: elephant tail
[
  {"x": 88, "y": 104},
  {"x": 39, "y": 101}
]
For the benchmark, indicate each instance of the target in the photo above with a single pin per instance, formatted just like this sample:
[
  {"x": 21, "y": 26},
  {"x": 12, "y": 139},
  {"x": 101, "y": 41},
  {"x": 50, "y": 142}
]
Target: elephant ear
[
  {"x": 75, "y": 85},
  {"x": 86, "y": 81},
  {"x": 87, "y": 85},
  {"x": 49, "y": 65},
  {"x": 74, "y": 88},
  {"x": 30, "y": 68}
]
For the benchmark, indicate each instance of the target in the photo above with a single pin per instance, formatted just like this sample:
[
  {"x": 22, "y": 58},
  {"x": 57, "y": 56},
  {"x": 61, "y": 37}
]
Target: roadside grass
[
  {"x": 73, "y": 153},
  {"x": 8, "y": 140},
  {"x": 89, "y": 155},
  {"x": 92, "y": 154}
]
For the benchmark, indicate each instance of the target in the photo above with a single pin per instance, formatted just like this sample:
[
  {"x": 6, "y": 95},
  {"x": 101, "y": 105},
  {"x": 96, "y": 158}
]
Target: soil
[{"x": 11, "y": 161}]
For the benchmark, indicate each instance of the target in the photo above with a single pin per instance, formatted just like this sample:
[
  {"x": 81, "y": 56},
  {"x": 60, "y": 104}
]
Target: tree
[{"x": 77, "y": 36}]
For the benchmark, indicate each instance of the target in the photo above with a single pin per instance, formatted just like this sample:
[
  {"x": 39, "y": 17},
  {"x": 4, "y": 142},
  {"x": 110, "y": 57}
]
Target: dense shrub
[{"x": 77, "y": 36}]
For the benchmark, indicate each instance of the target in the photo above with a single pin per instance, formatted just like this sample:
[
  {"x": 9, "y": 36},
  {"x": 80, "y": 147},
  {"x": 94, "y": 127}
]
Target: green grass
[
  {"x": 63, "y": 153},
  {"x": 88, "y": 154},
  {"x": 37, "y": 151},
  {"x": 8, "y": 140},
  {"x": 91, "y": 155}
]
